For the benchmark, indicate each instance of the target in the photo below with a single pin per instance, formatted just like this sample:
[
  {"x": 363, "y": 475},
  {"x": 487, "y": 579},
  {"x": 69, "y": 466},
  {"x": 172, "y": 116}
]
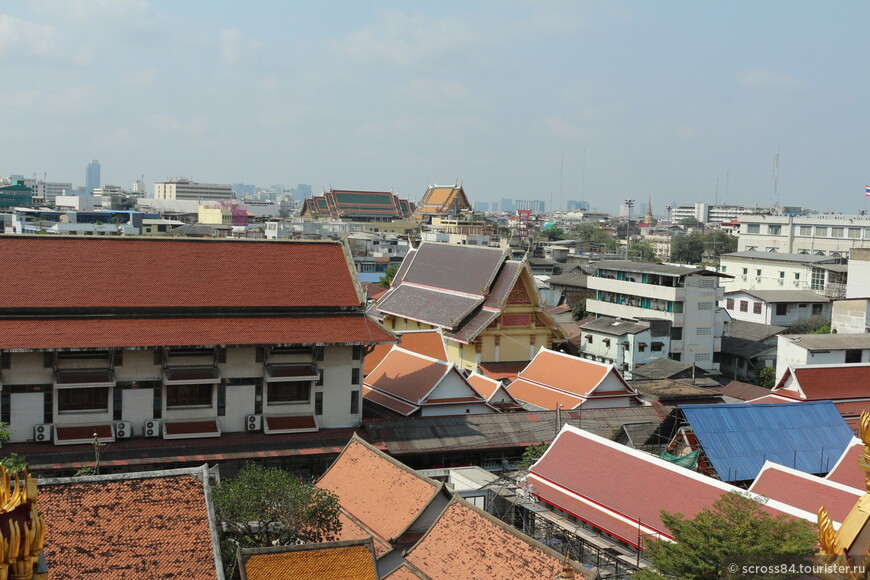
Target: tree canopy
[
  {"x": 267, "y": 506},
  {"x": 388, "y": 276},
  {"x": 687, "y": 248},
  {"x": 532, "y": 453},
  {"x": 579, "y": 310},
  {"x": 736, "y": 525}
]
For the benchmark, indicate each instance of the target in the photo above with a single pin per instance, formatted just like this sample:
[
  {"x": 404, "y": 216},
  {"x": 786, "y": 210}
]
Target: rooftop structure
[
  {"x": 776, "y": 307},
  {"x": 817, "y": 234},
  {"x": 348, "y": 560},
  {"x": 796, "y": 350},
  {"x": 442, "y": 200},
  {"x": 184, "y": 189},
  {"x": 847, "y": 385},
  {"x": 147, "y": 525},
  {"x": 357, "y": 206}
]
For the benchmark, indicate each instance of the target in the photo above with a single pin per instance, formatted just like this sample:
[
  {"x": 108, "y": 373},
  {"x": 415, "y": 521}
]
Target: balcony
[
  {"x": 625, "y": 311},
  {"x": 669, "y": 293}
]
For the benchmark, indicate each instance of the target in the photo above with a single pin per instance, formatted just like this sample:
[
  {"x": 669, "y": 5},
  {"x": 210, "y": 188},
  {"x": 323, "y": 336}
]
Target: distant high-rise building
[
  {"x": 481, "y": 206},
  {"x": 535, "y": 205},
  {"x": 575, "y": 205},
  {"x": 186, "y": 189},
  {"x": 507, "y": 205},
  {"x": 92, "y": 175}
]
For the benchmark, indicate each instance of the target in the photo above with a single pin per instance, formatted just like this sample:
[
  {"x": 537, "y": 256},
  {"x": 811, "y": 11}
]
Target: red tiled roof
[
  {"x": 390, "y": 403},
  {"x": 332, "y": 560},
  {"x": 173, "y": 273},
  {"x": 846, "y": 471},
  {"x": 63, "y": 333},
  {"x": 380, "y": 492},
  {"x": 502, "y": 370},
  {"x": 351, "y": 530},
  {"x": 847, "y": 381},
  {"x": 141, "y": 527},
  {"x": 628, "y": 496},
  {"x": 484, "y": 385},
  {"x": 541, "y": 396},
  {"x": 852, "y": 409},
  {"x": 403, "y": 572},
  {"x": 466, "y": 543},
  {"x": 805, "y": 491},
  {"x": 426, "y": 342}
]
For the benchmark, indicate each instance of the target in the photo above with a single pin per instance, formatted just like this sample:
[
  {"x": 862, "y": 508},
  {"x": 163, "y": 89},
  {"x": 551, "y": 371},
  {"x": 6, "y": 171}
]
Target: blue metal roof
[{"x": 738, "y": 439}]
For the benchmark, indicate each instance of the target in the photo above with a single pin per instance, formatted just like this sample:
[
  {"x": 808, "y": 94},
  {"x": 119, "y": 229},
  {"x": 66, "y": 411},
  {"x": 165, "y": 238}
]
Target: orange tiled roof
[
  {"x": 425, "y": 342},
  {"x": 465, "y": 542},
  {"x": 377, "y": 490},
  {"x": 407, "y": 375},
  {"x": 443, "y": 199},
  {"x": 483, "y": 384},
  {"x": 403, "y": 572},
  {"x": 153, "y": 332},
  {"x": 569, "y": 373},
  {"x": 103, "y": 272},
  {"x": 353, "y": 530},
  {"x": 353, "y": 560},
  {"x": 541, "y": 396},
  {"x": 128, "y": 526}
]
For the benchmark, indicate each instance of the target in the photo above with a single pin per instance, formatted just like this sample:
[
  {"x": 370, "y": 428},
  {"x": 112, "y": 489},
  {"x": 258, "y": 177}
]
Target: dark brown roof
[{"x": 466, "y": 269}]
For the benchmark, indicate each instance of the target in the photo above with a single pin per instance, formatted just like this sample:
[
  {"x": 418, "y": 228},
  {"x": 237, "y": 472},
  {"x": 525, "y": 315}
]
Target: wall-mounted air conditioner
[
  {"x": 151, "y": 428},
  {"x": 42, "y": 433},
  {"x": 123, "y": 429},
  {"x": 253, "y": 422}
]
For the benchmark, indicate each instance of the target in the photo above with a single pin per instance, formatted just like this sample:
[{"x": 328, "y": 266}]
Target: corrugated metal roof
[{"x": 738, "y": 439}]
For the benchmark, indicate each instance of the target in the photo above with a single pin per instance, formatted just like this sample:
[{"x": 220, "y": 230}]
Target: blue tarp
[{"x": 738, "y": 439}]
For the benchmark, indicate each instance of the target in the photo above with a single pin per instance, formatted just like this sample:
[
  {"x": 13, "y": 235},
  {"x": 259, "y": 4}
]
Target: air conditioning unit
[
  {"x": 123, "y": 429},
  {"x": 780, "y": 281},
  {"x": 796, "y": 283},
  {"x": 42, "y": 433},
  {"x": 253, "y": 422},
  {"x": 151, "y": 428},
  {"x": 743, "y": 277}
]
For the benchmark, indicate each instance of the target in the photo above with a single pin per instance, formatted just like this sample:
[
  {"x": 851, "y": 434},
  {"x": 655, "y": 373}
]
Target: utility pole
[{"x": 630, "y": 204}]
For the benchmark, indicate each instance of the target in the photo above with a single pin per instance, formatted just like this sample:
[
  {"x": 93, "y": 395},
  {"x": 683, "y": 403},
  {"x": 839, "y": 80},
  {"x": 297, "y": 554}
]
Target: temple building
[
  {"x": 360, "y": 206},
  {"x": 442, "y": 200},
  {"x": 486, "y": 305}
]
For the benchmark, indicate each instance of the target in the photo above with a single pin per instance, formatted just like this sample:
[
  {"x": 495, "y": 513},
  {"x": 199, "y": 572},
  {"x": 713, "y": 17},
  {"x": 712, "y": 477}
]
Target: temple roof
[
  {"x": 426, "y": 342},
  {"x": 350, "y": 204},
  {"x": 443, "y": 199},
  {"x": 347, "y": 560}
]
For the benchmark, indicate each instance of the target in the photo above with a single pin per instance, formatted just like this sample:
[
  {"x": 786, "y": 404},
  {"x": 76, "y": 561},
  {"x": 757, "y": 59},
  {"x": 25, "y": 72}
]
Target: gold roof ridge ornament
[
  {"x": 850, "y": 544},
  {"x": 22, "y": 529}
]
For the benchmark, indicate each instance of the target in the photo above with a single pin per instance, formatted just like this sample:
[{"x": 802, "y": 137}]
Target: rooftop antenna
[
  {"x": 776, "y": 179},
  {"x": 716, "y": 193},
  {"x": 561, "y": 174}
]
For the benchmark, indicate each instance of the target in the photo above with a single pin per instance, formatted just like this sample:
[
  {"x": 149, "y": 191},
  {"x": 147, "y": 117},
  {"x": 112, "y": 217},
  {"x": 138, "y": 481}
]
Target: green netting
[{"x": 689, "y": 461}]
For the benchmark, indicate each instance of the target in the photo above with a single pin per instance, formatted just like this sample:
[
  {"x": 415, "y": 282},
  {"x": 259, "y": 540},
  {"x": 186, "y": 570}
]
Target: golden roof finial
[
  {"x": 567, "y": 570},
  {"x": 864, "y": 461},
  {"x": 24, "y": 538}
]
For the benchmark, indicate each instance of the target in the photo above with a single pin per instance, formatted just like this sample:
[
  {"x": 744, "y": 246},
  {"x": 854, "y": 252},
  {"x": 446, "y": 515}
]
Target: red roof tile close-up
[
  {"x": 76, "y": 333},
  {"x": 376, "y": 490},
  {"x": 137, "y": 528},
  {"x": 173, "y": 273}
]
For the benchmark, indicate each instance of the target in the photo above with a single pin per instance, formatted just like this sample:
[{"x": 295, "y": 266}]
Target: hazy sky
[{"x": 647, "y": 98}]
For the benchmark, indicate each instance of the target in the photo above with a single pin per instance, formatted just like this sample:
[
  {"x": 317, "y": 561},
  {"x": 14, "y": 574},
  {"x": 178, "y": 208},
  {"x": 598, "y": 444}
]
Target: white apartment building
[
  {"x": 624, "y": 343},
  {"x": 816, "y": 235},
  {"x": 190, "y": 190},
  {"x": 776, "y": 307},
  {"x": 755, "y": 270},
  {"x": 704, "y": 212},
  {"x": 684, "y": 296},
  {"x": 820, "y": 349}
]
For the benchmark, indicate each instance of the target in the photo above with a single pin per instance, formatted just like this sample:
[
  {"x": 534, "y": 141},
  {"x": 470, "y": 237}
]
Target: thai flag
[{"x": 867, "y": 190}]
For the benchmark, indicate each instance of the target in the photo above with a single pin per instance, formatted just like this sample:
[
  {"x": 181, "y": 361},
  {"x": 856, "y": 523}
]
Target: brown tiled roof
[
  {"x": 822, "y": 382},
  {"x": 407, "y": 375},
  {"x": 465, "y": 542},
  {"x": 377, "y": 490},
  {"x": 430, "y": 306},
  {"x": 147, "y": 525},
  {"x": 351, "y": 560},
  {"x": 846, "y": 470},
  {"x": 443, "y": 200},
  {"x": 466, "y": 269},
  {"x": 425, "y": 342},
  {"x": 805, "y": 491},
  {"x": 484, "y": 385},
  {"x": 78, "y": 333},
  {"x": 391, "y": 403},
  {"x": 541, "y": 396},
  {"x": 173, "y": 273},
  {"x": 502, "y": 370}
]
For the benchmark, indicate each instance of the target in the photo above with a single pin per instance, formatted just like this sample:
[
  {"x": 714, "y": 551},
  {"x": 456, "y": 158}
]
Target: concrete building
[
  {"x": 92, "y": 176},
  {"x": 178, "y": 338},
  {"x": 794, "y": 350},
  {"x": 685, "y": 297},
  {"x": 184, "y": 189},
  {"x": 624, "y": 343},
  {"x": 816, "y": 235},
  {"x": 756, "y": 270},
  {"x": 704, "y": 212},
  {"x": 777, "y": 307}
]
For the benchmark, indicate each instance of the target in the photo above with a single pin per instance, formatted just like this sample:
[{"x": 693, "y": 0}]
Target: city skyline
[{"x": 594, "y": 101}]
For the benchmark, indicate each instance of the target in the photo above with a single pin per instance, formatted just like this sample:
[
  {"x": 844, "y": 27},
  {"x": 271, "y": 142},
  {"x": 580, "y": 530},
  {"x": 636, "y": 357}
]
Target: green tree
[
  {"x": 554, "y": 233},
  {"x": 766, "y": 377},
  {"x": 817, "y": 324},
  {"x": 5, "y": 433},
  {"x": 688, "y": 222},
  {"x": 687, "y": 248},
  {"x": 266, "y": 507},
  {"x": 736, "y": 526},
  {"x": 579, "y": 310},
  {"x": 388, "y": 276},
  {"x": 532, "y": 453},
  {"x": 642, "y": 251},
  {"x": 14, "y": 463},
  {"x": 718, "y": 243}
]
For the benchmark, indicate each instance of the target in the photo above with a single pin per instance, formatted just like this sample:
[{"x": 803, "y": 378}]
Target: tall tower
[{"x": 92, "y": 175}]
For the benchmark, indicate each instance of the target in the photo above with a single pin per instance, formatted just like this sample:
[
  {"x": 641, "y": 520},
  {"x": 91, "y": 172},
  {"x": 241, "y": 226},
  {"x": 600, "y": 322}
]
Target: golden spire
[
  {"x": 864, "y": 461},
  {"x": 567, "y": 570},
  {"x": 23, "y": 535}
]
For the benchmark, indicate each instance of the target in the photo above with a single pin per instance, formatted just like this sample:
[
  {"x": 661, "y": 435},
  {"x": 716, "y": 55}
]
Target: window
[
  {"x": 821, "y": 230},
  {"x": 758, "y": 272},
  {"x": 318, "y": 403},
  {"x": 641, "y": 346},
  {"x": 749, "y": 249},
  {"x": 724, "y": 268},
  {"x": 702, "y": 356},
  {"x": 357, "y": 352},
  {"x": 817, "y": 309},
  {"x": 802, "y": 305},
  {"x": 853, "y": 355},
  {"x": 354, "y": 376},
  {"x": 289, "y": 392},
  {"x": 797, "y": 276},
  {"x": 676, "y": 333},
  {"x": 705, "y": 306},
  {"x": 354, "y": 402},
  {"x": 836, "y": 232},
  {"x": 854, "y": 233},
  {"x": 774, "y": 230},
  {"x": 188, "y": 395},
  {"x": 753, "y": 228},
  {"x": 744, "y": 306},
  {"x": 771, "y": 249},
  {"x": 729, "y": 304},
  {"x": 5, "y": 360},
  {"x": 781, "y": 309},
  {"x": 806, "y": 230},
  {"x": 86, "y": 399},
  {"x": 745, "y": 271},
  {"x": 657, "y": 346},
  {"x": 756, "y": 307},
  {"x": 704, "y": 331},
  {"x": 781, "y": 275}
]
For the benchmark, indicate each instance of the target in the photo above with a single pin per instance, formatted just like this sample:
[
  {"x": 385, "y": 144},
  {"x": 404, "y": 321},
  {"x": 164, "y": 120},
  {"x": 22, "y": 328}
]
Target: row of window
[{"x": 814, "y": 231}]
